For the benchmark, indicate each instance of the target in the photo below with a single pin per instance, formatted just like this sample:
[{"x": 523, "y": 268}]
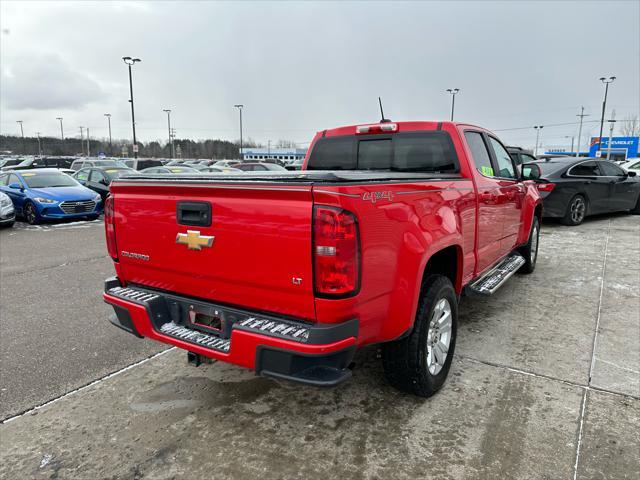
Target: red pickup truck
[{"x": 288, "y": 273}]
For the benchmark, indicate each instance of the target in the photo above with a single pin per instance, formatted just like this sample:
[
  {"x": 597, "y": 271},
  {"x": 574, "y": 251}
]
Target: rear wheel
[
  {"x": 576, "y": 211},
  {"x": 530, "y": 250},
  {"x": 636, "y": 210},
  {"x": 419, "y": 363},
  {"x": 30, "y": 214}
]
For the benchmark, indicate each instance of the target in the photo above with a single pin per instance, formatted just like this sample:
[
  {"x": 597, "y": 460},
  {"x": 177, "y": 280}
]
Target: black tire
[
  {"x": 636, "y": 210},
  {"x": 406, "y": 361},
  {"x": 7, "y": 225},
  {"x": 93, "y": 217},
  {"x": 30, "y": 213},
  {"x": 530, "y": 250},
  {"x": 576, "y": 211}
]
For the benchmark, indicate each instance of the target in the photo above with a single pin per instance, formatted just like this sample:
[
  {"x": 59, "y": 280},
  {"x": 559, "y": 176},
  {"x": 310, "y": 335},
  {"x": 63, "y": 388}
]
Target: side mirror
[
  {"x": 631, "y": 173},
  {"x": 531, "y": 171},
  {"x": 15, "y": 185}
]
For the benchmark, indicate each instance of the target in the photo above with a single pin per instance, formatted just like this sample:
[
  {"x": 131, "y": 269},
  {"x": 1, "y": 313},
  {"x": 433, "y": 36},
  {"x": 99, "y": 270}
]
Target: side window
[
  {"x": 505, "y": 164},
  {"x": 527, "y": 158},
  {"x": 610, "y": 170},
  {"x": 585, "y": 169},
  {"x": 480, "y": 154},
  {"x": 77, "y": 165},
  {"x": 96, "y": 176},
  {"x": 82, "y": 175},
  {"x": 4, "y": 180},
  {"x": 13, "y": 178}
]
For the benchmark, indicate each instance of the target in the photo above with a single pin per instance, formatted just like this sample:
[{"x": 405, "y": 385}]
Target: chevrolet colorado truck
[{"x": 288, "y": 273}]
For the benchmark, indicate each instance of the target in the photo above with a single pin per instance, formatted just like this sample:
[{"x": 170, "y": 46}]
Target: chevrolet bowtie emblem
[{"x": 194, "y": 240}]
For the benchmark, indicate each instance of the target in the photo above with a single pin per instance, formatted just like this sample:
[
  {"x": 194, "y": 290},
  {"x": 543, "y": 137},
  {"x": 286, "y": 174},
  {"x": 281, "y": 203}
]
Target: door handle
[{"x": 486, "y": 196}]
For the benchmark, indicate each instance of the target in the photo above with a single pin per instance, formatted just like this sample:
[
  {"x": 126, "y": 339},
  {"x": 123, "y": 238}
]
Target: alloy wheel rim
[
  {"x": 534, "y": 244},
  {"x": 577, "y": 210},
  {"x": 31, "y": 214},
  {"x": 439, "y": 336}
]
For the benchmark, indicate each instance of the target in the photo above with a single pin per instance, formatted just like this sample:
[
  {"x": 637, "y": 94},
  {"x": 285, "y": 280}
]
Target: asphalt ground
[{"x": 545, "y": 383}]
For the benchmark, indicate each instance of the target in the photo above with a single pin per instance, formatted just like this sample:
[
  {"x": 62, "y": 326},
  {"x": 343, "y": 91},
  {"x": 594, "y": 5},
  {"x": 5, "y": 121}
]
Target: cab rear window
[{"x": 401, "y": 152}]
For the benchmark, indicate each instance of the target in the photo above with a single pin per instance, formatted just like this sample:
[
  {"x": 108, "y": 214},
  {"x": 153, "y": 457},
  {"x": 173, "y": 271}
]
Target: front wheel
[
  {"x": 576, "y": 211},
  {"x": 636, "y": 210},
  {"x": 419, "y": 363},
  {"x": 30, "y": 213},
  {"x": 530, "y": 250}
]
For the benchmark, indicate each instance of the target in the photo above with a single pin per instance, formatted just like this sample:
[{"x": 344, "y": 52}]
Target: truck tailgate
[{"x": 260, "y": 256}]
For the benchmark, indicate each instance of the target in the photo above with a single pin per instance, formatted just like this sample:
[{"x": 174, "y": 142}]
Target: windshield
[
  {"x": 116, "y": 173},
  {"x": 10, "y": 162},
  {"x": 48, "y": 179},
  {"x": 109, "y": 163},
  {"x": 402, "y": 152}
]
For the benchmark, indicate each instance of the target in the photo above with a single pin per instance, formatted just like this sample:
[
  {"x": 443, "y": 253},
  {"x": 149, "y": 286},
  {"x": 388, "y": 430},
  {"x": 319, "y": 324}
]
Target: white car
[
  {"x": 7, "y": 212},
  {"x": 631, "y": 164}
]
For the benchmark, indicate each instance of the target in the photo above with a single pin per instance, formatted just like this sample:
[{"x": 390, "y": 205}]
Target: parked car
[
  {"x": 45, "y": 162},
  {"x": 259, "y": 167},
  {"x": 7, "y": 211},
  {"x": 225, "y": 163},
  {"x": 98, "y": 179},
  {"x": 290, "y": 277},
  {"x": 574, "y": 188},
  {"x": 47, "y": 194},
  {"x": 10, "y": 163},
  {"x": 631, "y": 164},
  {"x": 295, "y": 164},
  {"x": 520, "y": 155},
  {"x": 142, "y": 163},
  {"x": 170, "y": 169},
  {"x": 219, "y": 170},
  {"x": 96, "y": 162}
]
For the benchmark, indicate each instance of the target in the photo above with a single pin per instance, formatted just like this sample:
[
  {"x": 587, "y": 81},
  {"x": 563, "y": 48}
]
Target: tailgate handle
[{"x": 194, "y": 213}]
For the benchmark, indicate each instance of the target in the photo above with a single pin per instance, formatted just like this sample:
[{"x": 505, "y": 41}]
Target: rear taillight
[
  {"x": 336, "y": 252},
  {"x": 546, "y": 187},
  {"x": 110, "y": 228}
]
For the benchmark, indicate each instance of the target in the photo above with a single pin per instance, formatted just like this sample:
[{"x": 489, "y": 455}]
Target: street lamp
[
  {"x": 61, "y": 131},
  {"x": 81, "y": 140},
  {"x": 108, "y": 115},
  {"x": 39, "y": 147},
  {"x": 168, "y": 112},
  {"x": 240, "y": 107},
  {"x": 131, "y": 61},
  {"x": 22, "y": 133},
  {"x": 612, "y": 123},
  {"x": 604, "y": 105},
  {"x": 538, "y": 129},
  {"x": 572, "y": 140},
  {"x": 453, "y": 92}
]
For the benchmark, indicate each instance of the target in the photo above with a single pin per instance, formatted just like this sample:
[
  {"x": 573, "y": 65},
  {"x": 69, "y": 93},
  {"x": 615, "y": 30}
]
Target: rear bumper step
[
  {"x": 497, "y": 276},
  {"x": 314, "y": 354}
]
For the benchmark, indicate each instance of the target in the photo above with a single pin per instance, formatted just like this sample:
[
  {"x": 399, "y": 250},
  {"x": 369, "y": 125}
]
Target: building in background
[
  {"x": 284, "y": 155},
  {"x": 621, "y": 147}
]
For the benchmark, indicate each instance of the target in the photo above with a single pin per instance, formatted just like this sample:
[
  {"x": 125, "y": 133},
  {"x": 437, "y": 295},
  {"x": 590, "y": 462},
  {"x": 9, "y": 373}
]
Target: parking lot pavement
[
  {"x": 526, "y": 397},
  {"x": 54, "y": 336}
]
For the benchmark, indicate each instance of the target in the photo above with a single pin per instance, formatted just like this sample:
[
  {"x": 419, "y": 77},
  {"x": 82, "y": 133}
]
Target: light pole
[
  {"x": 108, "y": 115},
  {"x": 581, "y": 115},
  {"x": 39, "y": 147},
  {"x": 168, "y": 112},
  {"x": 82, "y": 140},
  {"x": 538, "y": 129},
  {"x": 240, "y": 107},
  {"x": 604, "y": 104},
  {"x": 61, "y": 132},
  {"x": 88, "y": 144},
  {"x": 453, "y": 92},
  {"x": 22, "y": 133},
  {"x": 131, "y": 61},
  {"x": 612, "y": 122},
  {"x": 572, "y": 140}
]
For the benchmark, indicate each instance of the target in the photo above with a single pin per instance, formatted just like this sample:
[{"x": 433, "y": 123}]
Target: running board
[{"x": 495, "y": 278}]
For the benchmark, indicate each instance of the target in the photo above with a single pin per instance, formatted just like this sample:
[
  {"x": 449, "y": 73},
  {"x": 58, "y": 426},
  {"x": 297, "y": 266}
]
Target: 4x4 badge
[{"x": 194, "y": 240}]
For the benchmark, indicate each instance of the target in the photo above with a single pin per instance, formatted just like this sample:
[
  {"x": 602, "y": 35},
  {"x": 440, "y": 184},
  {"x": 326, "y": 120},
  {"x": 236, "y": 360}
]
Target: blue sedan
[{"x": 48, "y": 194}]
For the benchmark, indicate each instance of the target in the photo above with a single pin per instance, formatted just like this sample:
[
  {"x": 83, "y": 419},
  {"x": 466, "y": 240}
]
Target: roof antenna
[{"x": 382, "y": 120}]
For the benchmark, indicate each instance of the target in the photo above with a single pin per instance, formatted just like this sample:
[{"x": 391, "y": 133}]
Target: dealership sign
[{"x": 619, "y": 144}]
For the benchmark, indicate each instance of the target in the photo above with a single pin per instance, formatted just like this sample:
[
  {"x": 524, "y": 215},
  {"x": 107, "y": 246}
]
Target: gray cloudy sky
[{"x": 300, "y": 67}]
